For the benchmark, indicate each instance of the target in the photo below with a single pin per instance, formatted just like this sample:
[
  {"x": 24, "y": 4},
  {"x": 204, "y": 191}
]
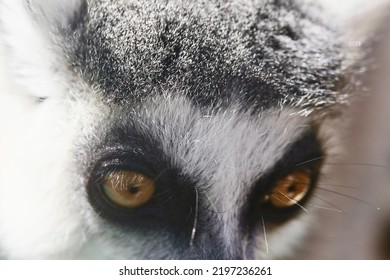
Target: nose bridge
[
  {"x": 210, "y": 150},
  {"x": 212, "y": 245},
  {"x": 225, "y": 200},
  {"x": 217, "y": 236}
]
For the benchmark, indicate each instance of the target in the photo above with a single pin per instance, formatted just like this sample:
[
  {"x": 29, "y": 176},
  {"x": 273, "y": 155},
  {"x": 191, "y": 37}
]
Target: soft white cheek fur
[{"x": 38, "y": 217}]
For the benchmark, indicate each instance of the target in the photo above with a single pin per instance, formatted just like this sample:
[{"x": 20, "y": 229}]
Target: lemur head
[{"x": 163, "y": 129}]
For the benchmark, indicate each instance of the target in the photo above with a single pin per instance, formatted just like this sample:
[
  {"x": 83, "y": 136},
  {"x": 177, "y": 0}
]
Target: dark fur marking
[{"x": 258, "y": 57}]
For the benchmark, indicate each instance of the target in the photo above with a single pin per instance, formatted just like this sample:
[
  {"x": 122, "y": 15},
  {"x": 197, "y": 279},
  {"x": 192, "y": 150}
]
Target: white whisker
[
  {"x": 326, "y": 208},
  {"x": 328, "y": 202},
  {"x": 265, "y": 234},
  {"x": 352, "y": 197},
  {"x": 296, "y": 202},
  {"x": 194, "y": 226},
  {"x": 311, "y": 160}
]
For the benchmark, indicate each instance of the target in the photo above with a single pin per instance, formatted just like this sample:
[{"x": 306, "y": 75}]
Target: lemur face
[{"x": 164, "y": 129}]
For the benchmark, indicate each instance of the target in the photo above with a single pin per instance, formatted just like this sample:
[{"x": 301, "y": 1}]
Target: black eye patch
[{"x": 283, "y": 191}]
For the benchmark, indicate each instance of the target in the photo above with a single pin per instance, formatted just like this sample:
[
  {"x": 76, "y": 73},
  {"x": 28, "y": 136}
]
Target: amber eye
[
  {"x": 289, "y": 190},
  {"x": 128, "y": 189}
]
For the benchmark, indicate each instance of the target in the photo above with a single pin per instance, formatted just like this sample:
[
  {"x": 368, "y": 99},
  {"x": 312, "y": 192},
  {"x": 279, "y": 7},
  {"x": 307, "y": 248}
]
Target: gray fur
[{"x": 263, "y": 53}]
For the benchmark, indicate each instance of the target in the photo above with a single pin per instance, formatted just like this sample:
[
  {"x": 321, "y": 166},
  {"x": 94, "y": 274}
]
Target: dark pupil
[
  {"x": 291, "y": 189},
  {"x": 133, "y": 189}
]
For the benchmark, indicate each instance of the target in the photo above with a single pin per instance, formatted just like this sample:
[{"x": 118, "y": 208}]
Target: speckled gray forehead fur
[{"x": 258, "y": 52}]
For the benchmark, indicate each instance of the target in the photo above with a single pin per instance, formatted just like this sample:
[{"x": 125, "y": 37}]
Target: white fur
[
  {"x": 44, "y": 190},
  {"x": 39, "y": 216},
  {"x": 34, "y": 57}
]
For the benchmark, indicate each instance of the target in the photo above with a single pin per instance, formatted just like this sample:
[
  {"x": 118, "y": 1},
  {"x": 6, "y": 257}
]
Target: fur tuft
[{"x": 31, "y": 32}]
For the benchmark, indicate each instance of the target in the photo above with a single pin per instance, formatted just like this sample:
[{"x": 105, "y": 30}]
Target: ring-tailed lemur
[{"x": 169, "y": 129}]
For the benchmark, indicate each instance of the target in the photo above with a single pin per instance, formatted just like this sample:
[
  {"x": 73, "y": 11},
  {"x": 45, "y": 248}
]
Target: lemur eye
[
  {"x": 128, "y": 189},
  {"x": 289, "y": 190}
]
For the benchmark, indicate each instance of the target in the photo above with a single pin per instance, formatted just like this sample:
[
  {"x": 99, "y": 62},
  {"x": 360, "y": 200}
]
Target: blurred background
[{"x": 358, "y": 226}]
